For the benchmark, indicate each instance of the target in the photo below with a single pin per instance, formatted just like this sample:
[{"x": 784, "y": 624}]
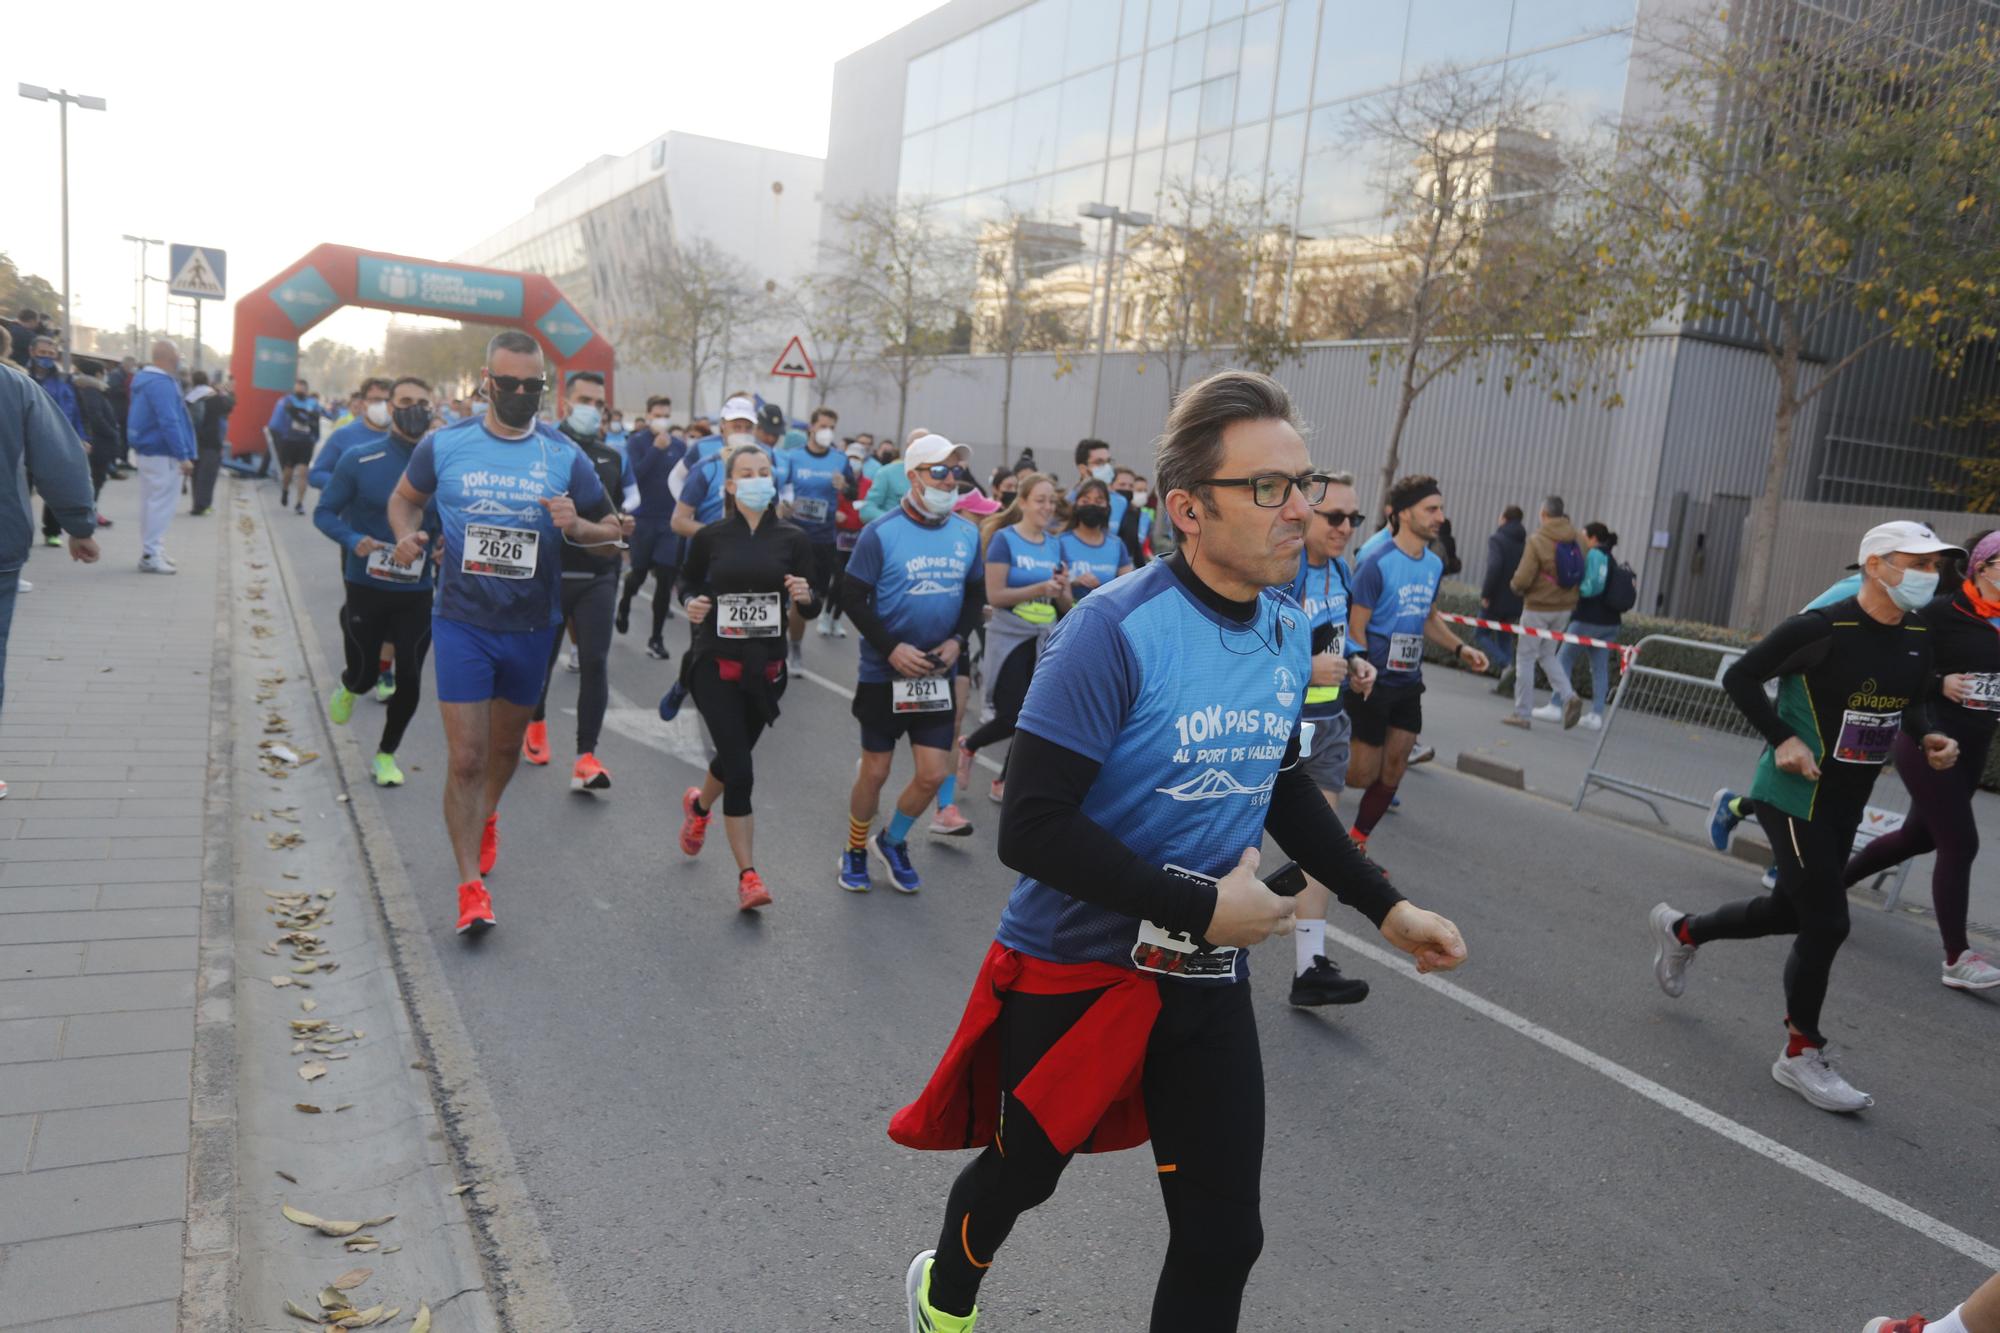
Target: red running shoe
[
  {"x": 694, "y": 827},
  {"x": 589, "y": 775},
  {"x": 750, "y": 891},
  {"x": 535, "y": 743},
  {"x": 1882, "y": 1324},
  {"x": 489, "y": 844},
  {"x": 475, "y": 907}
]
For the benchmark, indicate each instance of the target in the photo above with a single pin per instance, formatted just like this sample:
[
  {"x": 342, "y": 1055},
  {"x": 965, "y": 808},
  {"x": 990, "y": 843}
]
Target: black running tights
[
  {"x": 371, "y": 618},
  {"x": 587, "y": 610},
  {"x": 1940, "y": 820},
  {"x": 663, "y": 591},
  {"x": 1204, "y": 1091},
  {"x": 735, "y": 720},
  {"x": 1010, "y": 691},
  {"x": 1809, "y": 903}
]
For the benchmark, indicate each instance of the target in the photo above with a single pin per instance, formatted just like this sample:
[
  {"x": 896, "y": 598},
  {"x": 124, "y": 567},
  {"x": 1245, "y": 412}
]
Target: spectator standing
[
  {"x": 21, "y": 335},
  {"x": 1607, "y": 592},
  {"x": 100, "y": 432},
  {"x": 1497, "y": 598},
  {"x": 118, "y": 388},
  {"x": 210, "y": 408},
  {"x": 1547, "y": 579},
  {"x": 161, "y": 434}
]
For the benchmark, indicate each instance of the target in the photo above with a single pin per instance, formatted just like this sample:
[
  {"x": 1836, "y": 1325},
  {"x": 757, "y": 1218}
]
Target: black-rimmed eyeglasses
[{"x": 1269, "y": 490}]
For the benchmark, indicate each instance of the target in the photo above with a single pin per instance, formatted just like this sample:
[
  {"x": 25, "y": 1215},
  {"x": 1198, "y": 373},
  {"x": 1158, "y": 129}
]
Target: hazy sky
[{"x": 416, "y": 127}]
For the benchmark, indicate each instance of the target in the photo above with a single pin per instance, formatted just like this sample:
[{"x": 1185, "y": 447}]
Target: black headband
[{"x": 1412, "y": 493}]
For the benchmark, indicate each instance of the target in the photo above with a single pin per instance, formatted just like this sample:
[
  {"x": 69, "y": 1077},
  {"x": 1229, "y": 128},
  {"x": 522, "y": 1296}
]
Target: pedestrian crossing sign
[
  {"x": 197, "y": 272},
  {"x": 793, "y": 363}
]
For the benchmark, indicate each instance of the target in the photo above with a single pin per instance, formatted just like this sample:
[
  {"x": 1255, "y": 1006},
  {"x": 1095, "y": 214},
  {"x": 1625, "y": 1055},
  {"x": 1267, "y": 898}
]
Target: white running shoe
[
  {"x": 573, "y": 664},
  {"x": 22, "y": 585},
  {"x": 1810, "y": 1075},
  {"x": 157, "y": 564},
  {"x": 1548, "y": 712},
  {"x": 1971, "y": 972},
  {"x": 1670, "y": 956},
  {"x": 1592, "y": 722},
  {"x": 839, "y": 630},
  {"x": 824, "y": 625}
]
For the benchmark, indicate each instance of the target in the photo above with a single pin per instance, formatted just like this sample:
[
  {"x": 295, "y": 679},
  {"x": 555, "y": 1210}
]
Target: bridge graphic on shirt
[
  {"x": 1214, "y": 784},
  {"x": 494, "y": 509}
]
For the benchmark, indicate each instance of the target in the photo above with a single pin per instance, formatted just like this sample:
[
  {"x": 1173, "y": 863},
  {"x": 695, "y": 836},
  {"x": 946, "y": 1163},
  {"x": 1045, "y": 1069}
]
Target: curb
[
  {"x": 1493, "y": 770},
  {"x": 522, "y": 1274},
  {"x": 209, "y": 1271}
]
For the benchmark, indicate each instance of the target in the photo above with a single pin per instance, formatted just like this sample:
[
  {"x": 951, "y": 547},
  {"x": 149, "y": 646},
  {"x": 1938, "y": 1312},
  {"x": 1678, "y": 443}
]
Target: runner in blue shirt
[
  {"x": 368, "y": 429},
  {"x": 653, "y": 453},
  {"x": 913, "y": 588},
  {"x": 1091, "y": 548},
  {"x": 821, "y": 477},
  {"x": 1393, "y": 612},
  {"x": 1157, "y": 749},
  {"x": 294, "y": 429},
  {"x": 387, "y": 616},
  {"x": 510, "y": 490},
  {"x": 700, "y": 499}
]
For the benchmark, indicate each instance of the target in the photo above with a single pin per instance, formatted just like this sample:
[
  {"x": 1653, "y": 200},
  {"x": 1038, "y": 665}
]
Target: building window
[
  {"x": 1459, "y": 32},
  {"x": 1361, "y": 52},
  {"x": 1540, "y": 22}
]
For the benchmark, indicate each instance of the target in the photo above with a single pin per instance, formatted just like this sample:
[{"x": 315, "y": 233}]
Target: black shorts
[
  {"x": 295, "y": 455},
  {"x": 1401, "y": 707},
  {"x": 881, "y": 726}
]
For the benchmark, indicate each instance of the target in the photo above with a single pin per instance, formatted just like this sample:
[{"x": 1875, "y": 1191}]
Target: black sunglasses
[
  {"x": 1353, "y": 518},
  {"x": 940, "y": 471},
  {"x": 1269, "y": 490},
  {"x": 509, "y": 384}
]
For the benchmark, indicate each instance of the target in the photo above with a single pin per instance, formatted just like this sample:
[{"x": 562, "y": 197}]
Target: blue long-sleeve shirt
[
  {"x": 158, "y": 424},
  {"x": 64, "y": 394},
  {"x": 651, "y": 469},
  {"x": 34, "y": 438},
  {"x": 354, "y": 435},
  {"x": 355, "y": 504}
]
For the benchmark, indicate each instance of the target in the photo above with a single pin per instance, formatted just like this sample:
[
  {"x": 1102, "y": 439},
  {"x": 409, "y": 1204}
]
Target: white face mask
[
  {"x": 940, "y": 501},
  {"x": 659, "y": 425},
  {"x": 823, "y": 438},
  {"x": 1140, "y": 498},
  {"x": 1104, "y": 472},
  {"x": 730, "y": 441},
  {"x": 378, "y": 415}
]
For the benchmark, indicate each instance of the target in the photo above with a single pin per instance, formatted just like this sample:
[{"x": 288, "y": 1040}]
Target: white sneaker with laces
[
  {"x": 1811, "y": 1076},
  {"x": 1592, "y": 722},
  {"x": 1971, "y": 972},
  {"x": 156, "y": 564},
  {"x": 824, "y": 625},
  {"x": 1547, "y": 713},
  {"x": 1670, "y": 956},
  {"x": 23, "y": 585}
]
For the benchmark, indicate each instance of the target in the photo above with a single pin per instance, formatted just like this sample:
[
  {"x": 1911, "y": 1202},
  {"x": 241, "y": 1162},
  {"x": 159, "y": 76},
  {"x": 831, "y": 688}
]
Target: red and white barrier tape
[{"x": 1624, "y": 650}]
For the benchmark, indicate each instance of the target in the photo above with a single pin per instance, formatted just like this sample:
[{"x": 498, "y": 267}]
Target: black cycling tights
[
  {"x": 735, "y": 720},
  {"x": 1010, "y": 691},
  {"x": 1204, "y": 1091},
  {"x": 663, "y": 592},
  {"x": 1810, "y": 903},
  {"x": 370, "y": 618}
]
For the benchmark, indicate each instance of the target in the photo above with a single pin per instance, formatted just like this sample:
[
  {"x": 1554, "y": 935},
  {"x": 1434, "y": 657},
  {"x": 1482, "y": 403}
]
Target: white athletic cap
[
  {"x": 739, "y": 409},
  {"x": 1905, "y": 536},
  {"x": 933, "y": 449}
]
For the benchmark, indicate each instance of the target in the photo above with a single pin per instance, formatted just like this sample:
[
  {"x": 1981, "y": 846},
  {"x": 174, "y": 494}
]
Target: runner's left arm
[
  {"x": 1306, "y": 828},
  {"x": 597, "y": 521},
  {"x": 857, "y": 593},
  {"x": 800, "y": 565},
  {"x": 328, "y": 515}
]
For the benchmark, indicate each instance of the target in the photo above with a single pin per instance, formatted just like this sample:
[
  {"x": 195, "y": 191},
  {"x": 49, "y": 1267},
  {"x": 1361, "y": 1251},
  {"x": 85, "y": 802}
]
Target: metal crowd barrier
[{"x": 1672, "y": 735}]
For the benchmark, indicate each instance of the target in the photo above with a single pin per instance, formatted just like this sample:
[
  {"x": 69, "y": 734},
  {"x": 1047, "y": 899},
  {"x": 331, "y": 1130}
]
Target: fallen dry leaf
[
  {"x": 293, "y": 1309},
  {"x": 300, "y": 1216},
  {"x": 307, "y": 1107},
  {"x": 422, "y": 1323},
  {"x": 308, "y": 1005},
  {"x": 331, "y": 1299},
  {"x": 283, "y": 981},
  {"x": 459, "y": 1189},
  {"x": 352, "y": 1278},
  {"x": 312, "y": 1069},
  {"x": 286, "y": 1175}
]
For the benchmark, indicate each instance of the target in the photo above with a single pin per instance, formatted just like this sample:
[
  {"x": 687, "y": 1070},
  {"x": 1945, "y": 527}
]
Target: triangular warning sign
[
  {"x": 196, "y": 278},
  {"x": 793, "y": 362}
]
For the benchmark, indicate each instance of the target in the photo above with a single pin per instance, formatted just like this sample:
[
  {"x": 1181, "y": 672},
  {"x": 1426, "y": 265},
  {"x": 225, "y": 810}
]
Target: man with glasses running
[
  {"x": 510, "y": 491},
  {"x": 1394, "y": 613},
  {"x": 1158, "y": 746},
  {"x": 914, "y": 587}
]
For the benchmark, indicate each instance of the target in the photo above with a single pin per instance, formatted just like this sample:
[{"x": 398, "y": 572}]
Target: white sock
[
  {"x": 1310, "y": 937},
  {"x": 1951, "y": 1323}
]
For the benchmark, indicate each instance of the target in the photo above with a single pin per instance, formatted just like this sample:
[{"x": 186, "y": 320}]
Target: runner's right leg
[
  {"x": 467, "y": 731},
  {"x": 1392, "y": 761},
  {"x": 411, "y": 628}
]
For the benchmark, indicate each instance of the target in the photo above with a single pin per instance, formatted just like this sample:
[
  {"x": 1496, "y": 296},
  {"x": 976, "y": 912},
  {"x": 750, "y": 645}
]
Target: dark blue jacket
[
  {"x": 57, "y": 386},
  {"x": 355, "y": 504},
  {"x": 356, "y": 434}
]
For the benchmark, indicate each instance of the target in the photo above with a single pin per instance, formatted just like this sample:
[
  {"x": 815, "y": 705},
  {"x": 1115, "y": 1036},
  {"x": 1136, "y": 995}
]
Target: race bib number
[
  {"x": 1171, "y": 953},
  {"x": 1406, "y": 652},
  {"x": 1982, "y": 691},
  {"x": 382, "y": 565},
  {"x": 748, "y": 615},
  {"x": 500, "y": 553},
  {"x": 811, "y": 509},
  {"x": 1866, "y": 738},
  {"x": 920, "y": 694}
]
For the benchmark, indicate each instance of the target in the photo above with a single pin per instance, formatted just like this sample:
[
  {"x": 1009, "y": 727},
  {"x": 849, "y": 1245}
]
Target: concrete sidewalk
[{"x": 105, "y": 747}]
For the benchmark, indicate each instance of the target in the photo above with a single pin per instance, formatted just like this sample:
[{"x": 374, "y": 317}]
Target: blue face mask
[
  {"x": 756, "y": 493},
  {"x": 1915, "y": 591},
  {"x": 585, "y": 418},
  {"x": 940, "y": 501},
  {"x": 44, "y": 362}
]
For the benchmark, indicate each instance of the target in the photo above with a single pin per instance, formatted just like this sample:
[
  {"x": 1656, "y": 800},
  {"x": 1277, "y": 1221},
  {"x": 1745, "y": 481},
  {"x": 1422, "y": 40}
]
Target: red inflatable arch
[{"x": 270, "y": 320}]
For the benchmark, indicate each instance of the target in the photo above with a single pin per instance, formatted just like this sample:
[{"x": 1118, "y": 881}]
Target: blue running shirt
[
  {"x": 1189, "y": 716},
  {"x": 481, "y": 480},
  {"x": 1101, "y": 562},
  {"x": 921, "y": 577},
  {"x": 1322, "y": 591},
  {"x": 1398, "y": 593},
  {"x": 703, "y": 488},
  {"x": 815, "y": 500},
  {"x": 1027, "y": 563}
]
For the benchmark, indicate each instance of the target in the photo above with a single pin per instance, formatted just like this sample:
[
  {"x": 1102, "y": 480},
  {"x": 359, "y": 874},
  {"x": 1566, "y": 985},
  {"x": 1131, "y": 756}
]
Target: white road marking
[{"x": 1742, "y": 1135}]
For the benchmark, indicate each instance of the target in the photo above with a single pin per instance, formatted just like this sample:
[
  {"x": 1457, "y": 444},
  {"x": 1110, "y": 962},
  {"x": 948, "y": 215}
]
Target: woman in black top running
[{"x": 737, "y": 577}]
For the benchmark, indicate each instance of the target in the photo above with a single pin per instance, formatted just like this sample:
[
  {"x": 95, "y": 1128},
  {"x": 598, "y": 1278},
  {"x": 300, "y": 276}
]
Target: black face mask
[
  {"x": 1093, "y": 516},
  {"x": 515, "y": 410},
  {"x": 411, "y": 421}
]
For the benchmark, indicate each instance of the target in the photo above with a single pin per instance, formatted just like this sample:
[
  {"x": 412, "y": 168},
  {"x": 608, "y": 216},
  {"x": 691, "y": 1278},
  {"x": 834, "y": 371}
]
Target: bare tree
[
  {"x": 904, "y": 275},
  {"x": 1028, "y": 297},
  {"x": 1490, "y": 247},
  {"x": 1826, "y": 182},
  {"x": 834, "y": 335},
  {"x": 686, "y": 301}
]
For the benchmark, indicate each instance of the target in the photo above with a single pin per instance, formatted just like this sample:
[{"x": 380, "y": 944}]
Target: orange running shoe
[
  {"x": 694, "y": 827},
  {"x": 489, "y": 844},
  {"x": 535, "y": 744},
  {"x": 750, "y": 891},
  {"x": 1359, "y": 838},
  {"x": 475, "y": 907},
  {"x": 589, "y": 775}
]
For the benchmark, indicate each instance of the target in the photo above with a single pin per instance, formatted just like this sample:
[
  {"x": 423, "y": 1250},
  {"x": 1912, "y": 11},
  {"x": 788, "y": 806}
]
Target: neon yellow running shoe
[
  {"x": 923, "y": 1318},
  {"x": 385, "y": 687},
  {"x": 386, "y": 772},
  {"x": 341, "y": 706}
]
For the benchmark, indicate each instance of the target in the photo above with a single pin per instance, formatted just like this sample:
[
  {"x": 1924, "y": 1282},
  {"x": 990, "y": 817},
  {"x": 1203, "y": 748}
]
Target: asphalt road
[{"x": 698, "y": 1098}]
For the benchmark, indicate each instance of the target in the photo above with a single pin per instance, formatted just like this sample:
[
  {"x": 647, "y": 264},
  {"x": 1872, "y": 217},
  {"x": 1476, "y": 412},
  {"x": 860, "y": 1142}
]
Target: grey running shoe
[
  {"x": 1971, "y": 972},
  {"x": 1572, "y": 711},
  {"x": 1671, "y": 958},
  {"x": 1810, "y": 1075},
  {"x": 1421, "y": 753}
]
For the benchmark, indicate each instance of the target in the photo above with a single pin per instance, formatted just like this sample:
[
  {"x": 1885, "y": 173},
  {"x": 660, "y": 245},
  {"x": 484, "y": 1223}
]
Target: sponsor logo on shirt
[{"x": 1282, "y": 683}]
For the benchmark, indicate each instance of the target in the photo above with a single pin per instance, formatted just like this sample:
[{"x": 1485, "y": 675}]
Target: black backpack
[{"x": 1621, "y": 587}]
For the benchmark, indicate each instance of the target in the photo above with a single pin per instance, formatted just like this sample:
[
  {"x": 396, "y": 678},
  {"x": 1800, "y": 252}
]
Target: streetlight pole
[
  {"x": 139, "y": 295},
  {"x": 62, "y": 98},
  {"x": 1115, "y": 216}
]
